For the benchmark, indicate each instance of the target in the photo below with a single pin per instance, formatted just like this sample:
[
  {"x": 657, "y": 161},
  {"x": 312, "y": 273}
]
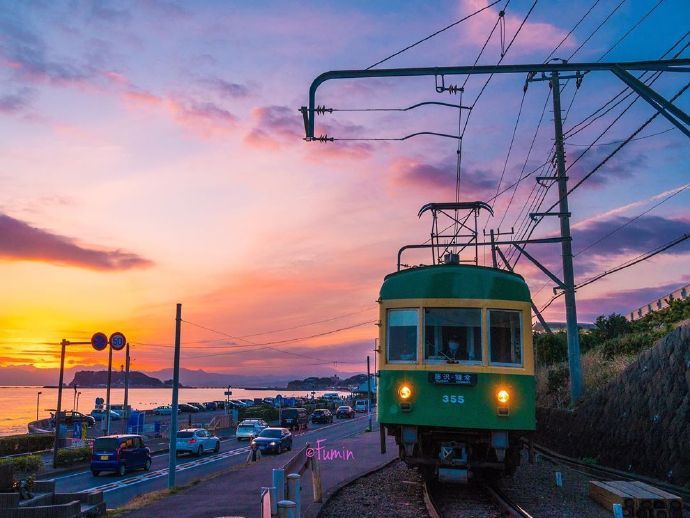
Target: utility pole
[
  {"x": 172, "y": 454},
  {"x": 369, "y": 394},
  {"x": 56, "y": 446},
  {"x": 566, "y": 247},
  {"x": 125, "y": 417}
]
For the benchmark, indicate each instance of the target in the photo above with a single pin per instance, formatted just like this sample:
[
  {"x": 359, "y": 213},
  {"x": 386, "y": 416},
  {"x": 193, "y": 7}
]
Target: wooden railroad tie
[{"x": 637, "y": 499}]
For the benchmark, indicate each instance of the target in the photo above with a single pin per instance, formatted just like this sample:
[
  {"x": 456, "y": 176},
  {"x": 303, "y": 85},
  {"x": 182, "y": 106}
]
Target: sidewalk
[
  {"x": 366, "y": 457},
  {"x": 236, "y": 492}
]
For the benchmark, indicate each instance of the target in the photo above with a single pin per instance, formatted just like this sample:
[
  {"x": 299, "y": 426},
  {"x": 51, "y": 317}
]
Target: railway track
[
  {"x": 476, "y": 499},
  {"x": 602, "y": 473}
]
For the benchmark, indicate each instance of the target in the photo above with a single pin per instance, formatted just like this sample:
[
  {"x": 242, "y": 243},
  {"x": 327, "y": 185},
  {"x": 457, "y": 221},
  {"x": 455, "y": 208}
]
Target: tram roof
[{"x": 447, "y": 281}]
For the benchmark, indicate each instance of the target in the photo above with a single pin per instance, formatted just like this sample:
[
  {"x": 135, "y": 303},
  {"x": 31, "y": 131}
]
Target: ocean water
[{"x": 18, "y": 404}]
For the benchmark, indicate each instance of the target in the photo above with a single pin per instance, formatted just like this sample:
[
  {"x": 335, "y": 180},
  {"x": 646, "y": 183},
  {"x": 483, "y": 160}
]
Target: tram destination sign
[{"x": 453, "y": 378}]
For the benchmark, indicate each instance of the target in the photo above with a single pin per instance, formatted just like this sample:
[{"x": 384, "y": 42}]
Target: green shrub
[
  {"x": 25, "y": 463},
  {"x": 557, "y": 378},
  {"x": 69, "y": 456},
  {"x": 26, "y": 443},
  {"x": 609, "y": 327},
  {"x": 551, "y": 348},
  {"x": 265, "y": 412},
  {"x": 628, "y": 344}
]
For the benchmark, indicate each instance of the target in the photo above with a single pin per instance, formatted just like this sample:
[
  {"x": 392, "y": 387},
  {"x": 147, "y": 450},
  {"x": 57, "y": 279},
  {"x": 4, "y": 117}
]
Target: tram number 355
[{"x": 455, "y": 400}]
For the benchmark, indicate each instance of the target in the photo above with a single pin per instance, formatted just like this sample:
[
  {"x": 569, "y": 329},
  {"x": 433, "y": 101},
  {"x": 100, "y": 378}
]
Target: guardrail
[{"x": 283, "y": 499}]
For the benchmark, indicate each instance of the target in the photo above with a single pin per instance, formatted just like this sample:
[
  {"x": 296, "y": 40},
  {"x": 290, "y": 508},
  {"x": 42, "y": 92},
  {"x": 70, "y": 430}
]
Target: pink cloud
[
  {"x": 274, "y": 126},
  {"x": 533, "y": 35},
  {"x": 22, "y": 242}
]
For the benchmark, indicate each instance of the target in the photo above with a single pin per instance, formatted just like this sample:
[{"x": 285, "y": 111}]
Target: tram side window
[
  {"x": 401, "y": 335},
  {"x": 505, "y": 337},
  {"x": 453, "y": 334}
]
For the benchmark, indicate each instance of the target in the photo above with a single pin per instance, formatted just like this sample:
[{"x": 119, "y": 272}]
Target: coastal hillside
[{"x": 100, "y": 379}]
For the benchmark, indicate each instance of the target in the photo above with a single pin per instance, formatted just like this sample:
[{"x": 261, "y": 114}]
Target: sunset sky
[{"x": 151, "y": 153}]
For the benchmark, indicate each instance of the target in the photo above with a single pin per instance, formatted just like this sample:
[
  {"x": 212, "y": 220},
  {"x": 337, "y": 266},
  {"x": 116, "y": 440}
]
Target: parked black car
[
  {"x": 191, "y": 409},
  {"x": 200, "y": 406},
  {"x": 273, "y": 440},
  {"x": 70, "y": 417},
  {"x": 321, "y": 415},
  {"x": 211, "y": 405},
  {"x": 294, "y": 418},
  {"x": 345, "y": 412}
]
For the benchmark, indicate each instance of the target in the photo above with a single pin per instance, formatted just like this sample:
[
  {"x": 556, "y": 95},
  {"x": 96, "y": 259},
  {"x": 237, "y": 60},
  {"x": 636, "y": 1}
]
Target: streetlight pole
[
  {"x": 78, "y": 394},
  {"x": 74, "y": 399},
  {"x": 38, "y": 398}
]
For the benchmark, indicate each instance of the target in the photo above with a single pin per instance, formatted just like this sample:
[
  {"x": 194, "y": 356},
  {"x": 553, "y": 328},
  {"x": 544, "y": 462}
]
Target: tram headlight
[
  {"x": 405, "y": 392},
  {"x": 503, "y": 396}
]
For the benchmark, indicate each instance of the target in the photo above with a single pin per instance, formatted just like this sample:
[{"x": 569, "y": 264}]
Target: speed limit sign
[{"x": 117, "y": 341}]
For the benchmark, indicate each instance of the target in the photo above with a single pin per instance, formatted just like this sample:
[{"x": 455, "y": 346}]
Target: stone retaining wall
[{"x": 639, "y": 422}]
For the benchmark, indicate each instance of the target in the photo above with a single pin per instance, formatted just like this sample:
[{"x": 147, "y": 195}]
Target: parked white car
[
  {"x": 196, "y": 441},
  {"x": 250, "y": 428},
  {"x": 164, "y": 410}
]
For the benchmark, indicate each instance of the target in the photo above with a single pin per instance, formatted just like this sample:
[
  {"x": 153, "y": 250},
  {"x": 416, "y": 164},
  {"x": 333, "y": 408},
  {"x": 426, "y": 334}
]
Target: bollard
[
  {"x": 274, "y": 502},
  {"x": 294, "y": 490},
  {"x": 316, "y": 479},
  {"x": 286, "y": 509},
  {"x": 559, "y": 479},
  {"x": 617, "y": 511},
  {"x": 279, "y": 483}
]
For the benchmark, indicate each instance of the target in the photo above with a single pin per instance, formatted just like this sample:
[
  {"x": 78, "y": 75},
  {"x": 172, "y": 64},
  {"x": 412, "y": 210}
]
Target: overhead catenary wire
[{"x": 434, "y": 34}]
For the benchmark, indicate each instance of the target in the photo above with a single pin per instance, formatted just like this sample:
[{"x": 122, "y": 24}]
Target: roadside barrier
[{"x": 284, "y": 498}]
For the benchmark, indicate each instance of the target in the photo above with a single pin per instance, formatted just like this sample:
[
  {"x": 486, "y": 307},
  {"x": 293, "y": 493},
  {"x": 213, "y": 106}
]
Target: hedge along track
[
  {"x": 473, "y": 499},
  {"x": 602, "y": 473}
]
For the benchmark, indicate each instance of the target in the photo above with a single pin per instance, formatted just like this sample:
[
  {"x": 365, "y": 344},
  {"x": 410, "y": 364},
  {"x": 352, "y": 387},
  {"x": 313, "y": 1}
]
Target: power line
[
  {"x": 287, "y": 340},
  {"x": 433, "y": 34},
  {"x": 571, "y": 31},
  {"x": 619, "y": 141},
  {"x": 672, "y": 193},
  {"x": 627, "y": 264},
  {"x": 597, "y": 29},
  {"x": 620, "y": 146},
  {"x": 529, "y": 152}
]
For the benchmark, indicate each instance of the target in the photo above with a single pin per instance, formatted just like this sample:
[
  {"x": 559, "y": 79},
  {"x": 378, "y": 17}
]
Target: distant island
[
  {"x": 332, "y": 382},
  {"x": 100, "y": 379}
]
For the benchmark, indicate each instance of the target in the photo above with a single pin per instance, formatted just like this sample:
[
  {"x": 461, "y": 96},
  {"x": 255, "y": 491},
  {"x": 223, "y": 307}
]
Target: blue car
[
  {"x": 273, "y": 440},
  {"x": 119, "y": 453}
]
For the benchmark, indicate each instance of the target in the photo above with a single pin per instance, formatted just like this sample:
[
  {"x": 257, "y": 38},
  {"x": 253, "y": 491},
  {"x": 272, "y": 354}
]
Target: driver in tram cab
[{"x": 453, "y": 350}]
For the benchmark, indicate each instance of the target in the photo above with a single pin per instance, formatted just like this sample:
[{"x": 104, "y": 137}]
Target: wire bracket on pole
[
  {"x": 542, "y": 179},
  {"x": 451, "y": 89},
  {"x": 537, "y": 215}
]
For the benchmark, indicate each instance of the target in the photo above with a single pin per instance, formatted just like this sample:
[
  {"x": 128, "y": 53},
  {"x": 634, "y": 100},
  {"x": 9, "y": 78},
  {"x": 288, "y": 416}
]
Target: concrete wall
[{"x": 639, "y": 422}]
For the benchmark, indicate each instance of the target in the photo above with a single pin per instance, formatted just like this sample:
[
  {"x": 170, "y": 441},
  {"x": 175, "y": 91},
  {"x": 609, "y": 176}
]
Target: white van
[
  {"x": 361, "y": 405},
  {"x": 331, "y": 396}
]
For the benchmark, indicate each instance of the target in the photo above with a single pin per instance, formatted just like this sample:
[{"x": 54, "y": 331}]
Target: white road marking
[{"x": 150, "y": 475}]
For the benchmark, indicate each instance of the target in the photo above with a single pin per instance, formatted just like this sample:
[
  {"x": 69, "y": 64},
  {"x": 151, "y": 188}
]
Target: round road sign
[
  {"x": 99, "y": 341},
  {"x": 117, "y": 341}
]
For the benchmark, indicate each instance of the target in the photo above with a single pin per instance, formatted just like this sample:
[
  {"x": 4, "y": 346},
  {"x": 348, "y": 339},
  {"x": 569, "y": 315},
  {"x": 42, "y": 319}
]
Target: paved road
[{"x": 117, "y": 491}]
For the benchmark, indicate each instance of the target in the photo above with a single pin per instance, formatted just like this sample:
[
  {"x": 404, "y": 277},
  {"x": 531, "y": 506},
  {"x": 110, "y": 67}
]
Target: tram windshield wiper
[{"x": 448, "y": 358}]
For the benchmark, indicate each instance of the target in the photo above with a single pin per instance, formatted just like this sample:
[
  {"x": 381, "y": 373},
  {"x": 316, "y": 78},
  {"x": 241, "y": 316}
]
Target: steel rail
[{"x": 512, "y": 509}]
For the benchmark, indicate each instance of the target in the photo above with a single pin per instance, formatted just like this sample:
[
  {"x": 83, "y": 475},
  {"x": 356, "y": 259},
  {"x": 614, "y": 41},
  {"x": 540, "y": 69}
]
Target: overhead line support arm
[{"x": 671, "y": 65}]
